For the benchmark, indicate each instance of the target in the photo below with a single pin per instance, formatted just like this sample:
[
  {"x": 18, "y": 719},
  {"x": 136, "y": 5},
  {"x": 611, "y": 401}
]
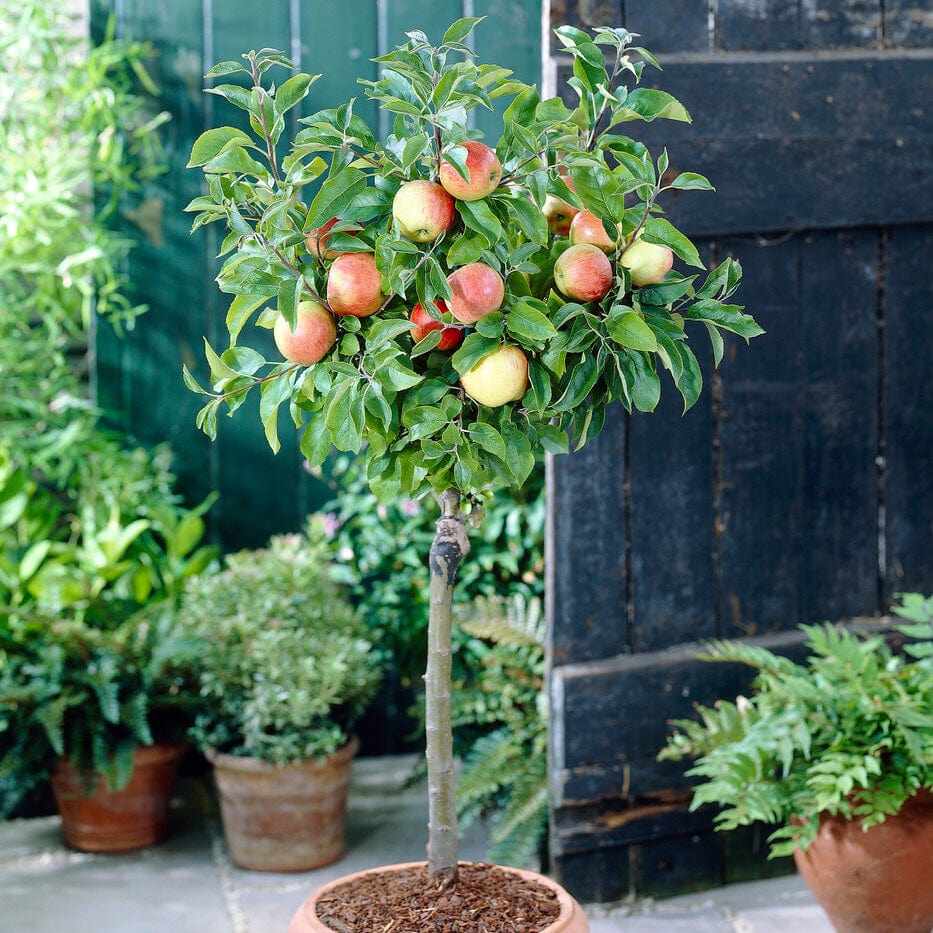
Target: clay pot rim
[
  {"x": 568, "y": 906},
  {"x": 247, "y": 764},
  {"x": 143, "y": 754}
]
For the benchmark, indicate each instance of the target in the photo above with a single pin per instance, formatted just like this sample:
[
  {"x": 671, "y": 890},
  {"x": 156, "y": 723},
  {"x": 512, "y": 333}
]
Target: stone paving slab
[{"x": 188, "y": 884}]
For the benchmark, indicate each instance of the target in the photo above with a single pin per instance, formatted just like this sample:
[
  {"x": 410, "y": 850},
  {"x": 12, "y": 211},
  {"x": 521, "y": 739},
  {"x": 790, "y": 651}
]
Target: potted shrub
[
  {"x": 285, "y": 669},
  {"x": 424, "y": 298},
  {"x": 839, "y": 753}
]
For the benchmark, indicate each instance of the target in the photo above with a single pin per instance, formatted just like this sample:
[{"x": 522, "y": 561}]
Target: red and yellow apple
[
  {"x": 647, "y": 263},
  {"x": 316, "y": 240},
  {"x": 451, "y": 336},
  {"x": 314, "y": 334},
  {"x": 483, "y": 167},
  {"x": 476, "y": 290},
  {"x": 583, "y": 272},
  {"x": 586, "y": 227},
  {"x": 559, "y": 213},
  {"x": 498, "y": 378},
  {"x": 423, "y": 210},
  {"x": 354, "y": 285}
]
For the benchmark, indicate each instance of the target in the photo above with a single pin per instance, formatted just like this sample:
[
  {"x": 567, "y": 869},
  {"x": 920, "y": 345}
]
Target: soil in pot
[
  {"x": 122, "y": 820},
  {"x": 284, "y": 817},
  {"x": 402, "y": 898},
  {"x": 876, "y": 881}
]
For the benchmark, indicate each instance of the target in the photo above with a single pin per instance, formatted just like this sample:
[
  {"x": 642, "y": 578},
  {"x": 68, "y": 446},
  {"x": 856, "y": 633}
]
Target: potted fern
[
  {"x": 285, "y": 669},
  {"x": 428, "y": 308},
  {"x": 839, "y": 753}
]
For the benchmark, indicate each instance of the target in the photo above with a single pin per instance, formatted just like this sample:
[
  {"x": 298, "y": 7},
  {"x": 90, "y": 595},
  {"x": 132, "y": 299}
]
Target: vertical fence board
[
  {"x": 671, "y": 457},
  {"x": 586, "y": 547},
  {"x": 908, "y": 23},
  {"x": 907, "y": 406},
  {"x": 828, "y": 24},
  {"x": 761, "y": 465},
  {"x": 838, "y": 294},
  {"x": 743, "y": 26},
  {"x": 670, "y": 25}
]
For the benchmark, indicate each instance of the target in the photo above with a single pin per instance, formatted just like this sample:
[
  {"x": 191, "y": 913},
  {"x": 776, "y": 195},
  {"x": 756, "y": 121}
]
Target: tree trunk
[{"x": 449, "y": 547}]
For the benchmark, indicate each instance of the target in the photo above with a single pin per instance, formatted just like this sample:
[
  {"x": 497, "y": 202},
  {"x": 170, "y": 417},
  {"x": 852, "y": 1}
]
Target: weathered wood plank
[
  {"x": 679, "y": 864},
  {"x": 907, "y": 407},
  {"x": 586, "y": 561},
  {"x": 801, "y": 143},
  {"x": 669, "y": 25},
  {"x": 908, "y": 23},
  {"x": 600, "y": 875},
  {"x": 830, "y": 24},
  {"x": 756, "y": 25},
  {"x": 671, "y": 462},
  {"x": 839, "y": 345},
  {"x": 759, "y": 438}
]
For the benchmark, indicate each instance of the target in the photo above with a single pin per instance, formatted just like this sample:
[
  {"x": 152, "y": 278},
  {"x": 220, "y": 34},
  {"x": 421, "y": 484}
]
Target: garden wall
[{"x": 800, "y": 487}]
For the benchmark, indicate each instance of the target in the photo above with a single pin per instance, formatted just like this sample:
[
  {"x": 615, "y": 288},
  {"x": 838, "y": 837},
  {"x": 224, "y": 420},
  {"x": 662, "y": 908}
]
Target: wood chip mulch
[{"x": 486, "y": 899}]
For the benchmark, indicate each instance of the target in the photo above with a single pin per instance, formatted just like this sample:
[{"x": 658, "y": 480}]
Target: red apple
[
  {"x": 483, "y": 167},
  {"x": 450, "y": 336},
  {"x": 583, "y": 272},
  {"x": 314, "y": 334},
  {"x": 477, "y": 290},
  {"x": 354, "y": 285},
  {"x": 423, "y": 210},
  {"x": 588, "y": 228},
  {"x": 559, "y": 213},
  {"x": 647, "y": 263},
  {"x": 316, "y": 241},
  {"x": 499, "y": 378}
]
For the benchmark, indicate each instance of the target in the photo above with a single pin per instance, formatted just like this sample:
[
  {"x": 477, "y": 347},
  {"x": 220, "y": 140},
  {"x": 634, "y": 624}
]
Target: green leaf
[
  {"x": 458, "y": 30},
  {"x": 659, "y": 230},
  {"x": 337, "y": 193},
  {"x": 478, "y": 216},
  {"x": 316, "y": 442},
  {"x": 646, "y": 390},
  {"x": 715, "y": 339},
  {"x": 728, "y": 317},
  {"x": 272, "y": 394},
  {"x": 488, "y": 438},
  {"x": 226, "y": 68},
  {"x": 466, "y": 249},
  {"x": 583, "y": 377},
  {"x": 629, "y": 329},
  {"x": 528, "y": 323},
  {"x": 600, "y": 191},
  {"x": 649, "y": 104},
  {"x": 211, "y": 143},
  {"x": 473, "y": 350},
  {"x": 691, "y": 180},
  {"x": 538, "y": 396},
  {"x": 241, "y": 309},
  {"x": 236, "y": 161},
  {"x": 529, "y": 218},
  {"x": 491, "y": 325},
  {"x": 292, "y": 91}
]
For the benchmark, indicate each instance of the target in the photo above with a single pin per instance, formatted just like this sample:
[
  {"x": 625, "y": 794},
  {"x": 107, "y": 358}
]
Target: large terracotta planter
[
  {"x": 571, "y": 919},
  {"x": 284, "y": 817},
  {"x": 118, "y": 821},
  {"x": 877, "y": 881}
]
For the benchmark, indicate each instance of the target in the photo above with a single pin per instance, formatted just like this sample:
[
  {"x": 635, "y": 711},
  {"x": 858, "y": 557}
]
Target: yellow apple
[{"x": 499, "y": 378}]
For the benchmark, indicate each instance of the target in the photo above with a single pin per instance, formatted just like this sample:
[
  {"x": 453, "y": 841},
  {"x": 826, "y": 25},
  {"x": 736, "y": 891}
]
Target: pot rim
[
  {"x": 568, "y": 905},
  {"x": 244, "y": 763}
]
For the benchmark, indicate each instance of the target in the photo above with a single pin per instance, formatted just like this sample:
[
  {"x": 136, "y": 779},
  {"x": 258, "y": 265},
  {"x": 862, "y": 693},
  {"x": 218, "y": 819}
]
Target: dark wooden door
[{"x": 800, "y": 488}]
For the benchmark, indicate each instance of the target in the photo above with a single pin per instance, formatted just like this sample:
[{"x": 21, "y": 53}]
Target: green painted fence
[{"x": 139, "y": 378}]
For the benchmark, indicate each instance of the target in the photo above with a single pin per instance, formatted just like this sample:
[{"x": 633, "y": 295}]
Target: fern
[{"x": 850, "y": 733}]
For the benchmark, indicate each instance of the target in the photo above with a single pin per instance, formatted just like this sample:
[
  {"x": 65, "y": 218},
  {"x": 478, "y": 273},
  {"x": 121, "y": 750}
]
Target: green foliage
[
  {"x": 379, "y": 554},
  {"x": 374, "y": 392},
  {"x": 850, "y": 733},
  {"x": 500, "y": 710},
  {"x": 285, "y": 666},
  {"x": 87, "y": 689}
]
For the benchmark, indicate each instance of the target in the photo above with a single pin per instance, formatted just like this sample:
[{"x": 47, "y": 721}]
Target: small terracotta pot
[
  {"x": 118, "y": 821},
  {"x": 284, "y": 817},
  {"x": 571, "y": 919},
  {"x": 876, "y": 881}
]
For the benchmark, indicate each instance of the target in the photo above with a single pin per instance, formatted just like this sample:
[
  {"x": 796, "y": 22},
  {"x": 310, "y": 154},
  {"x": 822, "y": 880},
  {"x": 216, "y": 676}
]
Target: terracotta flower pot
[
  {"x": 284, "y": 817},
  {"x": 571, "y": 918},
  {"x": 876, "y": 881},
  {"x": 118, "y": 821}
]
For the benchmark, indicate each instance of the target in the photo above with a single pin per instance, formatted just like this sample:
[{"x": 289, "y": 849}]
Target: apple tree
[{"x": 446, "y": 308}]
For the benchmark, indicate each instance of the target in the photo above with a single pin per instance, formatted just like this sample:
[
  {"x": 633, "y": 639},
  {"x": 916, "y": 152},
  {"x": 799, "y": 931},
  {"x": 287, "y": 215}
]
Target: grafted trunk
[{"x": 449, "y": 547}]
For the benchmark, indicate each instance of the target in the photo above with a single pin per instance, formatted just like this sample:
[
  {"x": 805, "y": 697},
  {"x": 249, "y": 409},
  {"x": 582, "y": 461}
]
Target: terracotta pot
[
  {"x": 571, "y": 919},
  {"x": 876, "y": 881},
  {"x": 284, "y": 817},
  {"x": 118, "y": 821}
]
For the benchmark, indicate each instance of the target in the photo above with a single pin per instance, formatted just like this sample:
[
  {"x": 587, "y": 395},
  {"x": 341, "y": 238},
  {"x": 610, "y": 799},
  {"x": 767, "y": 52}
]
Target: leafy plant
[
  {"x": 502, "y": 708},
  {"x": 849, "y": 734},
  {"x": 334, "y": 236},
  {"x": 285, "y": 666},
  {"x": 89, "y": 691}
]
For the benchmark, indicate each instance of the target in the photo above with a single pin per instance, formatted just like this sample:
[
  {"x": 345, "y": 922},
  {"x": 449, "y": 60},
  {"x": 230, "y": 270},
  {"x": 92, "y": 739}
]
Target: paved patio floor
[{"x": 188, "y": 885}]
